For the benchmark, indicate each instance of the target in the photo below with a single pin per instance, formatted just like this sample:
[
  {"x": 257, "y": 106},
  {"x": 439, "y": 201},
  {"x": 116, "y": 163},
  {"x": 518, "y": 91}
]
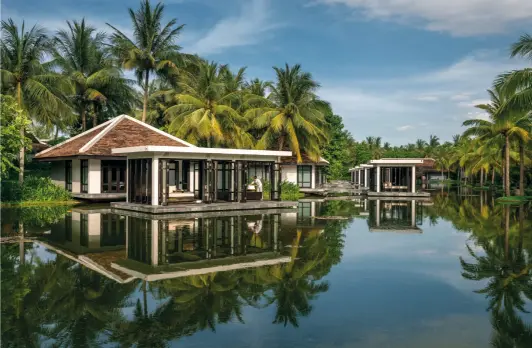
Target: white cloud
[
  {"x": 254, "y": 21},
  {"x": 383, "y": 107},
  {"x": 428, "y": 98},
  {"x": 458, "y": 17},
  {"x": 405, "y": 128}
]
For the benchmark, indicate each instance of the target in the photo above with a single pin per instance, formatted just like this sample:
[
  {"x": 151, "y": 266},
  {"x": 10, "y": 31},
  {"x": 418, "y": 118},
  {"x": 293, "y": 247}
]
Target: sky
[{"x": 398, "y": 69}]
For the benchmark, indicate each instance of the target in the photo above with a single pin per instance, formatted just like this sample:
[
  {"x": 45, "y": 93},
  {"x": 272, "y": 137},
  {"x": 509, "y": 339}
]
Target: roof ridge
[
  {"x": 168, "y": 135},
  {"x": 100, "y": 135},
  {"x": 75, "y": 137}
]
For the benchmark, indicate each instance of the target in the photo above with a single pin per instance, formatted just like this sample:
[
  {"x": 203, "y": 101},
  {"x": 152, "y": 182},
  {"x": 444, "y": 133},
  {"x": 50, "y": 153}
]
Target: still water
[{"x": 453, "y": 271}]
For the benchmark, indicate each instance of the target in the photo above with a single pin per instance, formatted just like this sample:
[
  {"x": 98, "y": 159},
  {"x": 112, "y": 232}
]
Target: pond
[{"x": 454, "y": 270}]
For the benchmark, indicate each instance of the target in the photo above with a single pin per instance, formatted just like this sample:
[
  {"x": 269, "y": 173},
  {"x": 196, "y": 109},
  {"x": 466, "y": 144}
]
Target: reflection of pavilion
[
  {"x": 89, "y": 231},
  {"x": 395, "y": 216},
  {"x": 162, "y": 249},
  {"x": 93, "y": 238}
]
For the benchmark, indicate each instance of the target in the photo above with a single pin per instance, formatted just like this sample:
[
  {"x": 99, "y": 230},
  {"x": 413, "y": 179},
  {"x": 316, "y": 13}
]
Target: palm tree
[
  {"x": 374, "y": 145},
  {"x": 257, "y": 87},
  {"x": 204, "y": 114},
  {"x": 36, "y": 88},
  {"x": 152, "y": 49},
  {"x": 507, "y": 124},
  {"x": 291, "y": 115},
  {"x": 518, "y": 83},
  {"x": 82, "y": 56}
]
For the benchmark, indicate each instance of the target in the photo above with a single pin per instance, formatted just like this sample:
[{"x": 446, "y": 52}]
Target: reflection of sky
[{"x": 390, "y": 290}]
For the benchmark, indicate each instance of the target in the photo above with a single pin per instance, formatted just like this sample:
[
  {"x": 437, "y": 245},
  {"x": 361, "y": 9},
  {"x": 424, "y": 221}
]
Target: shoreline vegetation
[{"x": 63, "y": 82}]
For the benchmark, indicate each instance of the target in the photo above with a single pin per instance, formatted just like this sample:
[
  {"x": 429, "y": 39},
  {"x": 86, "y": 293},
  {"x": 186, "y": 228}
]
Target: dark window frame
[
  {"x": 68, "y": 175},
  {"x": 301, "y": 169},
  {"x": 84, "y": 176}
]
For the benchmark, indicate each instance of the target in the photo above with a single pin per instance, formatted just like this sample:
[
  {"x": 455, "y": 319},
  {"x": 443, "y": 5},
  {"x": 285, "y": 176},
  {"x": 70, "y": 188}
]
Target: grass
[{"x": 37, "y": 203}]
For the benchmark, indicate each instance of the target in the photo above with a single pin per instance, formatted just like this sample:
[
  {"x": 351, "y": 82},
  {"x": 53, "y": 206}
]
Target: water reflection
[
  {"x": 95, "y": 278},
  {"x": 396, "y": 215}
]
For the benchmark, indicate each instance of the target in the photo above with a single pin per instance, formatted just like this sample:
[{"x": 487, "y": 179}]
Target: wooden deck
[{"x": 202, "y": 207}]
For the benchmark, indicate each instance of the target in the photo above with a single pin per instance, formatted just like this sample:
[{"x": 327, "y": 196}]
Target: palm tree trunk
[
  {"x": 507, "y": 165},
  {"x": 94, "y": 120},
  {"x": 22, "y": 150},
  {"x": 56, "y": 135},
  {"x": 281, "y": 143},
  {"x": 83, "y": 119},
  {"x": 481, "y": 177},
  {"x": 146, "y": 87},
  {"x": 493, "y": 176},
  {"x": 521, "y": 168}
]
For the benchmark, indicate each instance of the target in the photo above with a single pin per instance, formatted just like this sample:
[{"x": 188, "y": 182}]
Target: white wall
[
  {"x": 95, "y": 176},
  {"x": 76, "y": 176},
  {"x": 95, "y": 229},
  {"x": 289, "y": 173},
  {"x": 58, "y": 173}
]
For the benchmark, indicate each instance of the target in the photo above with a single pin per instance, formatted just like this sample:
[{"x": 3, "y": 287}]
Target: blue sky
[{"x": 399, "y": 69}]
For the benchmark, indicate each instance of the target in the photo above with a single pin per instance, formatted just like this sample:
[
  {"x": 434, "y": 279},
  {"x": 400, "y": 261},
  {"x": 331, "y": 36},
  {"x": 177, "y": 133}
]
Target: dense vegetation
[{"x": 70, "y": 80}]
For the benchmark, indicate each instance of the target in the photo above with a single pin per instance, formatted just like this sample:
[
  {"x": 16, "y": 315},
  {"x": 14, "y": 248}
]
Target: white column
[
  {"x": 154, "y": 242},
  {"x": 313, "y": 177},
  {"x": 366, "y": 173},
  {"x": 155, "y": 181},
  {"x": 95, "y": 176},
  {"x": 126, "y": 180},
  {"x": 378, "y": 212},
  {"x": 76, "y": 176},
  {"x": 378, "y": 178},
  {"x": 413, "y": 213},
  {"x": 413, "y": 179}
]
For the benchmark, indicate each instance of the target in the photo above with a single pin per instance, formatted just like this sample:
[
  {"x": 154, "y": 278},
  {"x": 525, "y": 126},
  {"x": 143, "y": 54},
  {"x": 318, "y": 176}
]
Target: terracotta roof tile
[
  {"x": 124, "y": 132},
  {"x": 70, "y": 148},
  {"x": 129, "y": 133}
]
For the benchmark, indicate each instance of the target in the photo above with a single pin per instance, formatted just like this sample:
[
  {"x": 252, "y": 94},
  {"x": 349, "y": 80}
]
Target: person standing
[{"x": 258, "y": 185}]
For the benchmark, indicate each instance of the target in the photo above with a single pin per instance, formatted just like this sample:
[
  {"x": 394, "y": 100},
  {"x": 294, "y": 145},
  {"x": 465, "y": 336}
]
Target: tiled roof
[{"x": 122, "y": 131}]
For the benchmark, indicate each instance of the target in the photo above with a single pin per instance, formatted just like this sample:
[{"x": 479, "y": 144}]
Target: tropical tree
[
  {"x": 152, "y": 48},
  {"x": 204, "y": 114},
  {"x": 11, "y": 121},
  {"x": 518, "y": 83},
  {"x": 507, "y": 124},
  {"x": 292, "y": 115},
  {"x": 81, "y": 54},
  {"x": 38, "y": 91},
  {"x": 257, "y": 87}
]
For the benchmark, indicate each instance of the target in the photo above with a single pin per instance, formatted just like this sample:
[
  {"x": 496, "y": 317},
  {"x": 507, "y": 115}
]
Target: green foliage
[
  {"x": 292, "y": 116},
  {"x": 33, "y": 189},
  {"x": 12, "y": 120},
  {"x": 289, "y": 191},
  {"x": 338, "y": 150}
]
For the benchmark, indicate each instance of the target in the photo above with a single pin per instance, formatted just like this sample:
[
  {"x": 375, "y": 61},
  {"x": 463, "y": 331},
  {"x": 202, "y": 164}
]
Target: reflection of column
[
  {"x": 155, "y": 181},
  {"x": 232, "y": 228},
  {"x": 413, "y": 213},
  {"x": 312, "y": 208},
  {"x": 378, "y": 178},
  {"x": 413, "y": 179},
  {"x": 154, "y": 242},
  {"x": 276, "y": 218},
  {"x": 365, "y": 205},
  {"x": 378, "y": 212}
]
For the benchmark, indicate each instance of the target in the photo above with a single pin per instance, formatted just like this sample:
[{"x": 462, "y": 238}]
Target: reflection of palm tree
[
  {"x": 82, "y": 304},
  {"x": 509, "y": 331}
]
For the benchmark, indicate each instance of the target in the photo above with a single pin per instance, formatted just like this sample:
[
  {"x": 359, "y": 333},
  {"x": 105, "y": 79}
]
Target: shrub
[
  {"x": 34, "y": 189},
  {"x": 289, "y": 191}
]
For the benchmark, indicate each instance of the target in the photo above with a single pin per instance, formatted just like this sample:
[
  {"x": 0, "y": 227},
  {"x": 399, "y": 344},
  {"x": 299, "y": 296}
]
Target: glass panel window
[
  {"x": 68, "y": 176},
  {"x": 84, "y": 176},
  {"x": 304, "y": 174}
]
